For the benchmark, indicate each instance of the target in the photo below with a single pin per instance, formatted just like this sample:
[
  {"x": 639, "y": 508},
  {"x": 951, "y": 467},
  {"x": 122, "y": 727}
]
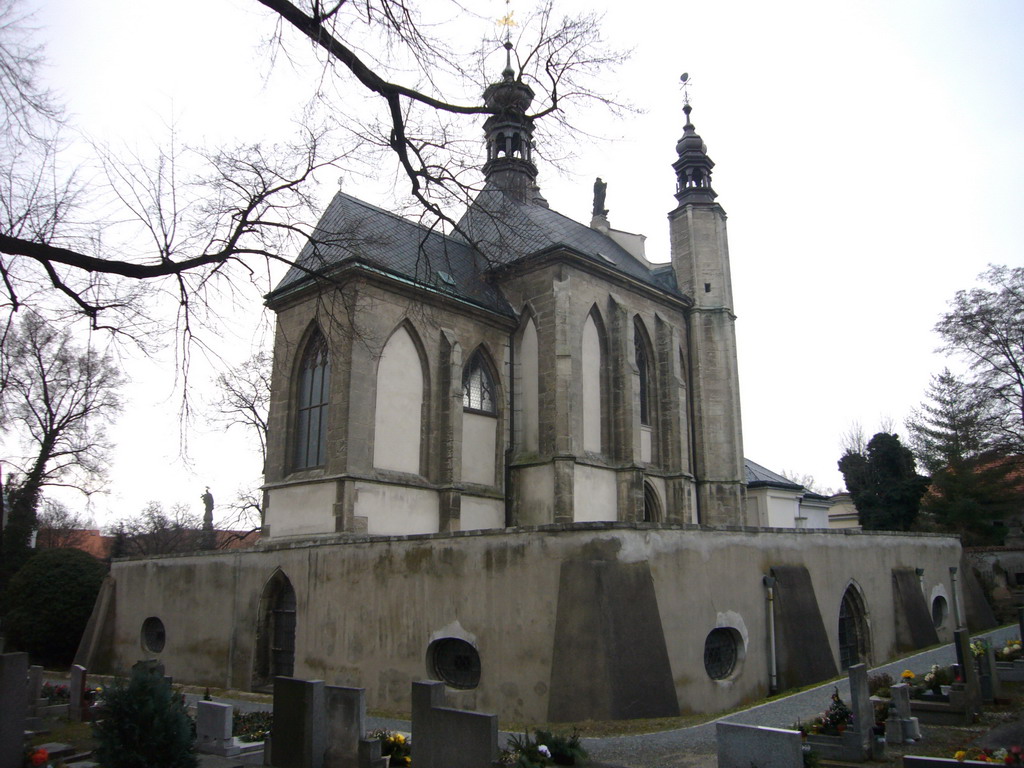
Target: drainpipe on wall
[
  {"x": 511, "y": 427},
  {"x": 920, "y": 581},
  {"x": 773, "y": 683},
  {"x": 956, "y": 596}
]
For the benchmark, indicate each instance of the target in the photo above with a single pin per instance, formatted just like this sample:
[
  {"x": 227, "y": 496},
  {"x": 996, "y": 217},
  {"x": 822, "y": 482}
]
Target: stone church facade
[
  {"x": 527, "y": 370},
  {"x": 510, "y": 458}
]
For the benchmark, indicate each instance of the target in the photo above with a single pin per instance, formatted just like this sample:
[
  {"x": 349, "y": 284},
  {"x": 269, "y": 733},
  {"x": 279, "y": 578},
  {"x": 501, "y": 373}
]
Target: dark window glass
[
  {"x": 720, "y": 653},
  {"x": 282, "y": 643},
  {"x": 154, "y": 637},
  {"x": 643, "y": 367},
  {"x": 478, "y": 387},
  {"x": 311, "y": 415},
  {"x": 853, "y": 640},
  {"x": 939, "y": 611},
  {"x": 456, "y": 662}
]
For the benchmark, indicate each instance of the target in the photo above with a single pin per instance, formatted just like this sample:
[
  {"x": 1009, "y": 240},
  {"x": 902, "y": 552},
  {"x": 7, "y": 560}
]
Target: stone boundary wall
[{"x": 368, "y": 609}]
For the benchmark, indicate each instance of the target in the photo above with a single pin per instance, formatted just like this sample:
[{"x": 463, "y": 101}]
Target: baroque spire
[
  {"x": 693, "y": 167},
  {"x": 509, "y": 134}
]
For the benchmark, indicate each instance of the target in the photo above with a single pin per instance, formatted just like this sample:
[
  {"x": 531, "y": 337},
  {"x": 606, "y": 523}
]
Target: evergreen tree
[
  {"x": 956, "y": 439},
  {"x": 883, "y": 483}
]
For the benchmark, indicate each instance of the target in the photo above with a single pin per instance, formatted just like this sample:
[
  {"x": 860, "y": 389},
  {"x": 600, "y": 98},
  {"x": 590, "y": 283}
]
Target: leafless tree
[
  {"x": 56, "y": 400},
  {"x": 212, "y": 221},
  {"x": 57, "y": 527},
  {"x": 243, "y": 398},
  {"x": 155, "y": 532}
]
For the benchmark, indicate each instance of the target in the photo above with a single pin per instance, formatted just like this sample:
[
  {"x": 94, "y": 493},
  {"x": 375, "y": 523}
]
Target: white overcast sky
[{"x": 870, "y": 156}]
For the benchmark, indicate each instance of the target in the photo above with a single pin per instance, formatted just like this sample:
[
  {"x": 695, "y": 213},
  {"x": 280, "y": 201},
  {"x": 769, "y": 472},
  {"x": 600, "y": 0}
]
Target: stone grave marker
[
  {"x": 741, "y": 746},
  {"x": 213, "y": 729},
  {"x": 35, "y": 687},
  {"x": 909, "y": 725},
  {"x": 861, "y": 706},
  {"x": 345, "y": 710},
  {"x": 969, "y": 670},
  {"x": 13, "y": 669},
  {"x": 991, "y": 688},
  {"x": 76, "y": 689},
  {"x": 449, "y": 738},
  {"x": 297, "y": 736}
]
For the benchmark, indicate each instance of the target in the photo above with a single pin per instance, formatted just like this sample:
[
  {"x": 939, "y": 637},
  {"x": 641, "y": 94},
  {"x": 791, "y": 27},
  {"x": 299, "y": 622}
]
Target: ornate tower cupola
[
  {"x": 693, "y": 168},
  {"x": 509, "y": 132}
]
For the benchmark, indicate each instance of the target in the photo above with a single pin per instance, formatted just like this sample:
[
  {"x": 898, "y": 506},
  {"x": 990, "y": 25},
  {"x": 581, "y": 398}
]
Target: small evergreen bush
[
  {"x": 49, "y": 602},
  {"x": 142, "y": 724}
]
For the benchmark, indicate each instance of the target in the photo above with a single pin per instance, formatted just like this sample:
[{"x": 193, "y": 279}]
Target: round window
[
  {"x": 454, "y": 661},
  {"x": 721, "y": 652},
  {"x": 153, "y": 635},
  {"x": 940, "y": 610}
]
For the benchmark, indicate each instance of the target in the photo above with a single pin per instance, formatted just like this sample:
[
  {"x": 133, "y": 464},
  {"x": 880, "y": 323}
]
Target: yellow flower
[
  {"x": 908, "y": 675},
  {"x": 960, "y": 755},
  {"x": 399, "y": 738}
]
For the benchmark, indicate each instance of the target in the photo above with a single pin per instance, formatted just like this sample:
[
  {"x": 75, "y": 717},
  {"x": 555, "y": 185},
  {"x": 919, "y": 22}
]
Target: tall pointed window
[
  {"x": 478, "y": 387},
  {"x": 313, "y": 393},
  {"x": 643, "y": 367}
]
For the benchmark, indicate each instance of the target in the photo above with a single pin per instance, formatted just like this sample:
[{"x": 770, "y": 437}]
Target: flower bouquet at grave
[
  {"x": 395, "y": 745},
  {"x": 933, "y": 681},
  {"x": 1011, "y": 756},
  {"x": 838, "y": 716},
  {"x": 251, "y": 726},
  {"x": 979, "y": 647},
  {"x": 55, "y": 694},
  {"x": 544, "y": 749},
  {"x": 1011, "y": 651},
  {"x": 35, "y": 757}
]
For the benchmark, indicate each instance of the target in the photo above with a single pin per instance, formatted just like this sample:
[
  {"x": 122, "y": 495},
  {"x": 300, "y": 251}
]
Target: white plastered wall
[
  {"x": 397, "y": 427},
  {"x": 298, "y": 510},
  {"x": 478, "y": 514},
  {"x": 537, "y": 495},
  {"x": 397, "y": 509},
  {"x": 595, "y": 496},
  {"x": 479, "y": 436}
]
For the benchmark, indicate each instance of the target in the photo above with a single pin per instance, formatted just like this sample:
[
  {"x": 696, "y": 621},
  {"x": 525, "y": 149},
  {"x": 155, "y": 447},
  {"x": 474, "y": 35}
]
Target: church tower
[{"x": 700, "y": 258}]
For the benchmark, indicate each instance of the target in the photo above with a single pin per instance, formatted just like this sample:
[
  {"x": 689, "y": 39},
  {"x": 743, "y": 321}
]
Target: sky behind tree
[{"x": 868, "y": 155}]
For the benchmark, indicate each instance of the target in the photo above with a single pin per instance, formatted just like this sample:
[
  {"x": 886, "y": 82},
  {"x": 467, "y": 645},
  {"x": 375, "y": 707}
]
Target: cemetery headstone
[
  {"x": 910, "y": 726},
  {"x": 298, "y": 732},
  {"x": 449, "y": 738},
  {"x": 213, "y": 729},
  {"x": 13, "y": 669},
  {"x": 1020, "y": 623},
  {"x": 741, "y": 746},
  {"x": 969, "y": 671},
  {"x": 893, "y": 728},
  {"x": 345, "y": 710},
  {"x": 861, "y": 706},
  {"x": 996, "y": 687},
  {"x": 35, "y": 687},
  {"x": 76, "y": 689}
]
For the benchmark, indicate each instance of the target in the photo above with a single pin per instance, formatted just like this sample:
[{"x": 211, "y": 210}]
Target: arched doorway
[
  {"x": 275, "y": 635},
  {"x": 652, "y": 506},
  {"x": 854, "y": 637}
]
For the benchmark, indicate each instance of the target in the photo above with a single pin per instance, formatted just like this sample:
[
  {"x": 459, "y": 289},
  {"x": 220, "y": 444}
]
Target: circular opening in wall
[
  {"x": 454, "y": 661},
  {"x": 153, "y": 635},
  {"x": 721, "y": 652},
  {"x": 940, "y": 610}
]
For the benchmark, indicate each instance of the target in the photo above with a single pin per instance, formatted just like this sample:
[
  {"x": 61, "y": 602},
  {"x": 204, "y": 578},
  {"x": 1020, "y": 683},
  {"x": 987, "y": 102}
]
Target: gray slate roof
[
  {"x": 760, "y": 476},
  {"x": 504, "y": 231}
]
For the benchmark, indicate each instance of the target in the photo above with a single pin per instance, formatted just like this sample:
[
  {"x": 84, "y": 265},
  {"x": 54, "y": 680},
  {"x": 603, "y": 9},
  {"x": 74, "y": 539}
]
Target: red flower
[{"x": 39, "y": 757}]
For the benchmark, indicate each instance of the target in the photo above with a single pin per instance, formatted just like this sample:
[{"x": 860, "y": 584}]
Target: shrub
[
  {"x": 49, "y": 602},
  {"x": 878, "y": 685},
  {"x": 143, "y": 724}
]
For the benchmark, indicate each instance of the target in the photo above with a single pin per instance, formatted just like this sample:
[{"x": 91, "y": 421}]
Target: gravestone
[
  {"x": 862, "y": 707},
  {"x": 35, "y": 687},
  {"x": 345, "y": 710},
  {"x": 369, "y": 754},
  {"x": 76, "y": 689},
  {"x": 298, "y": 730},
  {"x": 741, "y": 746},
  {"x": 13, "y": 669},
  {"x": 449, "y": 738},
  {"x": 213, "y": 729},
  {"x": 969, "y": 670},
  {"x": 991, "y": 687},
  {"x": 910, "y": 726},
  {"x": 1020, "y": 623}
]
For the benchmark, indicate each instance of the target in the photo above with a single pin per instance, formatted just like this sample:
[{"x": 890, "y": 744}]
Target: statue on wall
[{"x": 600, "y": 189}]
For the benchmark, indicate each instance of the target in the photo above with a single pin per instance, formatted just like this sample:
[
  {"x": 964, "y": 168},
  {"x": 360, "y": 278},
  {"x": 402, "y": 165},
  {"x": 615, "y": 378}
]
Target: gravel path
[{"x": 695, "y": 746}]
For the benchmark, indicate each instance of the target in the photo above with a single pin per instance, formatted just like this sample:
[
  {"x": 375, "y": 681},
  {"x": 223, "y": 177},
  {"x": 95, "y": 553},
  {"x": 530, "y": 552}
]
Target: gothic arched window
[
  {"x": 644, "y": 369},
  {"x": 478, "y": 387},
  {"x": 854, "y": 639},
  {"x": 314, "y": 387}
]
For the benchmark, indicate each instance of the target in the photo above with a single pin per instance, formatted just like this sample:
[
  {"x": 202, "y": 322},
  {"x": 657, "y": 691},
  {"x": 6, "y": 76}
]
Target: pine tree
[
  {"x": 954, "y": 437},
  {"x": 884, "y": 483}
]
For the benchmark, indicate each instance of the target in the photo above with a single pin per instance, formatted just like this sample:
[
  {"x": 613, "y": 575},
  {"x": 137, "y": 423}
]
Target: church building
[
  {"x": 524, "y": 370},
  {"x": 510, "y": 458}
]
